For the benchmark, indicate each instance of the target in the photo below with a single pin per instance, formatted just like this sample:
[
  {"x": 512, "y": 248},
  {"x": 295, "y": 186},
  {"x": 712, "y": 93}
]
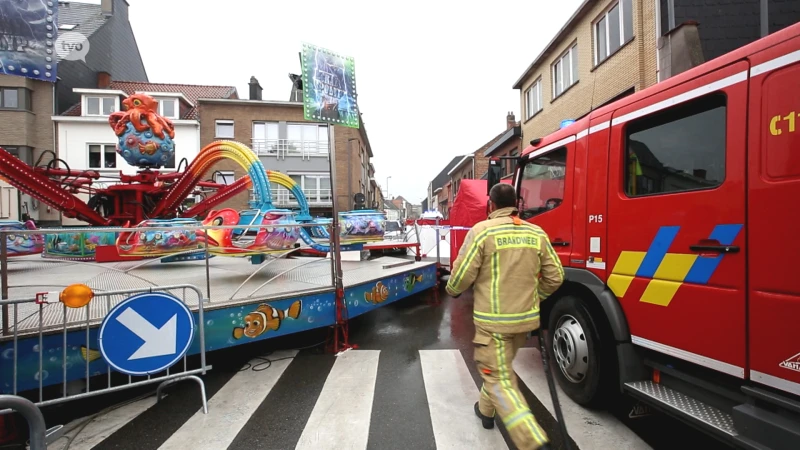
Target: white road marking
[
  {"x": 452, "y": 395},
  {"x": 101, "y": 427},
  {"x": 589, "y": 429},
  {"x": 341, "y": 416},
  {"x": 230, "y": 408}
]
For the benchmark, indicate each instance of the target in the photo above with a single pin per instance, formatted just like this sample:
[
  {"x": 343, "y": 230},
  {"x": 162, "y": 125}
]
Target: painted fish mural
[
  {"x": 378, "y": 294},
  {"x": 272, "y": 233},
  {"x": 22, "y": 244},
  {"x": 361, "y": 226},
  {"x": 266, "y": 318},
  {"x": 88, "y": 354},
  {"x": 143, "y": 242},
  {"x": 76, "y": 246},
  {"x": 410, "y": 280}
]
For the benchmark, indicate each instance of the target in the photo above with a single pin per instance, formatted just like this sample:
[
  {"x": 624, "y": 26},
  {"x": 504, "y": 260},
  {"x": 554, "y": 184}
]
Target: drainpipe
[
  {"x": 671, "y": 14},
  {"x": 350, "y": 171},
  {"x": 473, "y": 168},
  {"x": 658, "y": 37},
  {"x": 55, "y": 141}
]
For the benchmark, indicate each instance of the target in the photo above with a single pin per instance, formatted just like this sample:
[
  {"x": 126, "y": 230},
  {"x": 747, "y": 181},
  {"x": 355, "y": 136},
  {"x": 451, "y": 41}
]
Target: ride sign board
[
  {"x": 146, "y": 333},
  {"x": 329, "y": 87}
]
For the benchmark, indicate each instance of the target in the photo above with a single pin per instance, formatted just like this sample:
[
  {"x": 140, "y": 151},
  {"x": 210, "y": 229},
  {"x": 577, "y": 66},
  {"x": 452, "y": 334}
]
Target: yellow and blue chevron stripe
[{"x": 667, "y": 271}]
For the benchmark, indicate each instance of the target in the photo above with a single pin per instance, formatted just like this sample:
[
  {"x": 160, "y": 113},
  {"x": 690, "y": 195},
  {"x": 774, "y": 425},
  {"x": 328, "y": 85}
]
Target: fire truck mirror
[{"x": 494, "y": 174}]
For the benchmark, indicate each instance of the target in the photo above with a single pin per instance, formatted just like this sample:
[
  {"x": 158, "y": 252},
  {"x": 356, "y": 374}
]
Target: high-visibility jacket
[{"x": 504, "y": 257}]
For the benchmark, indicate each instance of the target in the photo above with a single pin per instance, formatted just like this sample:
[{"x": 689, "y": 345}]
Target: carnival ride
[
  {"x": 151, "y": 198},
  {"x": 21, "y": 244},
  {"x": 145, "y": 216}
]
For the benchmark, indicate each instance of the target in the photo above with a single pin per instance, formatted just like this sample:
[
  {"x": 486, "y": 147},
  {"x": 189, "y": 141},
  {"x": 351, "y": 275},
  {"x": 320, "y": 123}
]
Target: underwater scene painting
[{"x": 224, "y": 327}]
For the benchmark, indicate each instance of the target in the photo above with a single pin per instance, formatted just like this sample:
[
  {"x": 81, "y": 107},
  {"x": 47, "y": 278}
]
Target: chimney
[
  {"x": 679, "y": 50},
  {"x": 297, "y": 88},
  {"x": 511, "y": 121},
  {"x": 103, "y": 80},
  {"x": 107, "y": 6},
  {"x": 255, "y": 89}
]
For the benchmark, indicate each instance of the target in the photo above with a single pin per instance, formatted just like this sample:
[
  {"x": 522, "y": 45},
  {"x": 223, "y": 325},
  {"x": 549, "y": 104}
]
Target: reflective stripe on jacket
[{"x": 504, "y": 257}]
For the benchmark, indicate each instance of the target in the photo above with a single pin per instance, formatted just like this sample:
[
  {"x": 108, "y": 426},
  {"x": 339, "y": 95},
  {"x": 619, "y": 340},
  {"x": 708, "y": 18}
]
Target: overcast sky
[{"x": 434, "y": 77}]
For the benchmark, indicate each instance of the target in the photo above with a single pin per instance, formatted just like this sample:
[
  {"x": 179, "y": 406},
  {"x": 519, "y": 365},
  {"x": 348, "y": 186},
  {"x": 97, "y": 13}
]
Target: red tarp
[{"x": 469, "y": 208}]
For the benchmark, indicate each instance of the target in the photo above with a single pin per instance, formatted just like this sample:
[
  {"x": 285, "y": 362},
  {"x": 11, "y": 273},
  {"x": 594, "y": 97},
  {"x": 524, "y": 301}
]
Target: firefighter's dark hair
[{"x": 503, "y": 195}]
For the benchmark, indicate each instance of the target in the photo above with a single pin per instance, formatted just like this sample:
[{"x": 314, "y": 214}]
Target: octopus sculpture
[{"x": 145, "y": 137}]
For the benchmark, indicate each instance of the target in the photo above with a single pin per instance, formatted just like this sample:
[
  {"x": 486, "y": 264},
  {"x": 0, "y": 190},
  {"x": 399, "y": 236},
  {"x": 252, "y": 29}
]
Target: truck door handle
[
  {"x": 715, "y": 248},
  {"x": 560, "y": 243}
]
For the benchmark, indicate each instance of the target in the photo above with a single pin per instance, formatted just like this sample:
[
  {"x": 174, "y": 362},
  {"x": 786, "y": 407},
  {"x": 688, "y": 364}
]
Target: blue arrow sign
[{"x": 146, "y": 333}]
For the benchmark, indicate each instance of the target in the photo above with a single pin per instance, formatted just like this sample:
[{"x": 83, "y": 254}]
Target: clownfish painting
[
  {"x": 266, "y": 318},
  {"x": 378, "y": 294}
]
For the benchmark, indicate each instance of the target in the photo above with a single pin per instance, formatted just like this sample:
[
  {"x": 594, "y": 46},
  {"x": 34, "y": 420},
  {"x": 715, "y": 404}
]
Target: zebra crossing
[{"x": 300, "y": 401}]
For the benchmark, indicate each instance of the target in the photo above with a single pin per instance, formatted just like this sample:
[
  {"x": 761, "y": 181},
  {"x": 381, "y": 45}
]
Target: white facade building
[{"x": 86, "y": 141}]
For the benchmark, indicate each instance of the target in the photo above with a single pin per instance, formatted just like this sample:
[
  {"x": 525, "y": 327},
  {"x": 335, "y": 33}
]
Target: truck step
[{"x": 681, "y": 403}]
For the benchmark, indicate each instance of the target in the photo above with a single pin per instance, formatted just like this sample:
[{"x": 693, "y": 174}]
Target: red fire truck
[{"x": 676, "y": 214}]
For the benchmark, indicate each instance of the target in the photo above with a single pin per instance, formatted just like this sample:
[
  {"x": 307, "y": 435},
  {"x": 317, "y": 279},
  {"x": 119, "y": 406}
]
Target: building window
[
  {"x": 565, "y": 71},
  {"x": 100, "y": 106},
  {"x": 266, "y": 138},
  {"x": 307, "y": 138},
  {"x": 102, "y": 156},
  {"x": 680, "y": 149},
  {"x": 10, "y": 98},
  {"x": 533, "y": 99},
  {"x": 511, "y": 164},
  {"x": 168, "y": 107},
  {"x": 170, "y": 164},
  {"x": 225, "y": 177},
  {"x": 14, "y": 98},
  {"x": 613, "y": 30},
  {"x": 315, "y": 186},
  {"x": 224, "y": 129},
  {"x": 542, "y": 183}
]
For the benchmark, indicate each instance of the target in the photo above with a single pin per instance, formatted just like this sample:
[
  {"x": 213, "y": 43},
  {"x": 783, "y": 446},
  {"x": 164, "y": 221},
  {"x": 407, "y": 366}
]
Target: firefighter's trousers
[{"x": 500, "y": 393}]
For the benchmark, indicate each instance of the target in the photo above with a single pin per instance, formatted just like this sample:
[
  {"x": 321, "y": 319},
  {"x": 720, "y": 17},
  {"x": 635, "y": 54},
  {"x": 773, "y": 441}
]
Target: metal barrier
[
  {"x": 93, "y": 314},
  {"x": 37, "y": 329},
  {"x": 436, "y": 248}
]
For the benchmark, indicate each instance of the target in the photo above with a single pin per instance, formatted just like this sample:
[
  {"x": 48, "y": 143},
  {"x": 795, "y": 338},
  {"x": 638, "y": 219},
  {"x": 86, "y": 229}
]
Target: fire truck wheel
[{"x": 574, "y": 346}]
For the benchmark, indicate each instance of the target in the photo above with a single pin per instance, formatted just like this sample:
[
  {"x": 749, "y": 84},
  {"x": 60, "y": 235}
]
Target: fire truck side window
[
  {"x": 680, "y": 149},
  {"x": 541, "y": 185}
]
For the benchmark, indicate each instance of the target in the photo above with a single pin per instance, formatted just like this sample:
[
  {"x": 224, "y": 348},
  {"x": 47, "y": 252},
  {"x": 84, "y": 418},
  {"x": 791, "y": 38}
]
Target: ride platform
[{"x": 298, "y": 291}]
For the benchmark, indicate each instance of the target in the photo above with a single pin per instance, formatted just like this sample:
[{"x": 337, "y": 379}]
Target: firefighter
[{"x": 513, "y": 267}]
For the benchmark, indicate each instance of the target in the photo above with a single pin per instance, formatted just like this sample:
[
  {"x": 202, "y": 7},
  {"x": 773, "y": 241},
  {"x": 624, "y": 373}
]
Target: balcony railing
[
  {"x": 281, "y": 148},
  {"x": 281, "y": 197}
]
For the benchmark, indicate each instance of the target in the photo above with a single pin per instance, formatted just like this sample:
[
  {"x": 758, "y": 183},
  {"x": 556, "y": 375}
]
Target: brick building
[
  {"x": 612, "y": 48},
  {"x": 26, "y": 132},
  {"x": 27, "y": 105},
  {"x": 606, "y": 50},
  {"x": 436, "y": 186},
  {"x": 508, "y": 146},
  {"x": 475, "y": 165},
  {"x": 277, "y": 131}
]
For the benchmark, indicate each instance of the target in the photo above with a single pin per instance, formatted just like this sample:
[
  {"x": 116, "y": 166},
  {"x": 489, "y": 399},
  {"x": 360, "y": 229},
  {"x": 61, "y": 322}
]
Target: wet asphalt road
[{"x": 399, "y": 330}]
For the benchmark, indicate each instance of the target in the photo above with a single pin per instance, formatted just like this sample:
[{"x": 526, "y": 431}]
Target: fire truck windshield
[{"x": 541, "y": 183}]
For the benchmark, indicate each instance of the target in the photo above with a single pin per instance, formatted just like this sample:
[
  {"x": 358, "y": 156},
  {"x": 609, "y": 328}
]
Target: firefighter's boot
[{"x": 488, "y": 422}]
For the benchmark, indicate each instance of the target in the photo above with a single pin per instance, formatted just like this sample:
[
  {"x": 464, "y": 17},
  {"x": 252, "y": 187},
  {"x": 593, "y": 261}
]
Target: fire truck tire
[{"x": 575, "y": 346}]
